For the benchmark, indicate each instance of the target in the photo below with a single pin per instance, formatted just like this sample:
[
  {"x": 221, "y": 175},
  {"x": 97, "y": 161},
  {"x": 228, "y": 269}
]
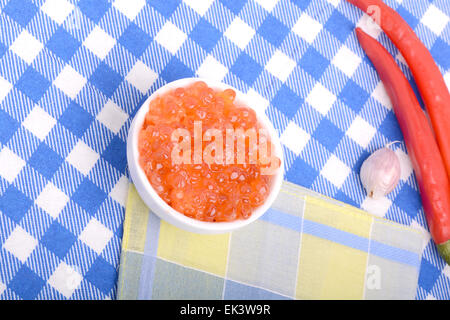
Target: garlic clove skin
[{"x": 380, "y": 173}]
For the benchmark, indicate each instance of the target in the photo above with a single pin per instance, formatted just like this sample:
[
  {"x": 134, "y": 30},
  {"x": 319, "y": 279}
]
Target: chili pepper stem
[{"x": 444, "y": 251}]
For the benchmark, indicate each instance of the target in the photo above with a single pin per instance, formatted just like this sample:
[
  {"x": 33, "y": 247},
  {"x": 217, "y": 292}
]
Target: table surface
[{"x": 73, "y": 73}]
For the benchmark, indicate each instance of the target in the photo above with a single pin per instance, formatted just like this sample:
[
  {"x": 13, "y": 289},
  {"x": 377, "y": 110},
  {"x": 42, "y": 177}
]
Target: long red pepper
[
  {"x": 426, "y": 73},
  {"x": 434, "y": 184}
]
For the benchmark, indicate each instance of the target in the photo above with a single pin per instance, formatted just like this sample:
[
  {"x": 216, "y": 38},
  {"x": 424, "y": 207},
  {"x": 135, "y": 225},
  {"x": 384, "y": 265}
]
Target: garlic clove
[{"x": 380, "y": 173}]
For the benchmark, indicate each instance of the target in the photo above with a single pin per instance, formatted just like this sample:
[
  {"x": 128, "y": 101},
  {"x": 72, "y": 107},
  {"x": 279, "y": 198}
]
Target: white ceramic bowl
[{"x": 159, "y": 206}]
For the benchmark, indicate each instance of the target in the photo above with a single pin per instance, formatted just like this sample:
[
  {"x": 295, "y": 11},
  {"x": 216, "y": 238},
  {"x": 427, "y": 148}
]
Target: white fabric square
[
  {"x": 378, "y": 207},
  {"x": 10, "y": 164},
  {"x": 321, "y": 99},
  {"x": 307, "y": 28},
  {"x": 280, "y": 65},
  {"x": 96, "y": 235},
  {"x": 446, "y": 271},
  {"x": 335, "y": 3},
  {"x": 130, "y": 8},
  {"x": 200, "y": 6},
  {"x": 425, "y": 233},
  {"x": 335, "y": 171},
  {"x": 406, "y": 168},
  {"x": 99, "y": 42},
  {"x": 120, "y": 191},
  {"x": 52, "y": 200},
  {"x": 369, "y": 26},
  {"x": 267, "y": 4},
  {"x": 240, "y": 33},
  {"x": 20, "y": 244},
  {"x": 430, "y": 297},
  {"x": 70, "y": 81},
  {"x": 58, "y": 10},
  {"x": 446, "y": 79},
  {"x": 346, "y": 61},
  {"x": 39, "y": 122},
  {"x": 141, "y": 77},
  {"x": 65, "y": 279},
  {"x": 361, "y": 132},
  {"x": 5, "y": 87},
  {"x": 435, "y": 19},
  {"x": 26, "y": 46},
  {"x": 380, "y": 94},
  {"x": 256, "y": 101},
  {"x": 171, "y": 37},
  {"x": 112, "y": 116},
  {"x": 212, "y": 69},
  {"x": 82, "y": 157},
  {"x": 295, "y": 138}
]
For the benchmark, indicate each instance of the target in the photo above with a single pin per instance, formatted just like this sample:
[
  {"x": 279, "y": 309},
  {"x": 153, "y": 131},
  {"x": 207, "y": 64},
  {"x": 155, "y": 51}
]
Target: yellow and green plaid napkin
[{"x": 306, "y": 246}]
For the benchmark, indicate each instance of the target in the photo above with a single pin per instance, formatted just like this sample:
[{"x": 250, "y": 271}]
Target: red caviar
[{"x": 207, "y": 192}]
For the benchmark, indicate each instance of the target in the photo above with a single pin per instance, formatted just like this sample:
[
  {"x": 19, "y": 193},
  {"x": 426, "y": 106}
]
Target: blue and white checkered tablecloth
[{"x": 73, "y": 73}]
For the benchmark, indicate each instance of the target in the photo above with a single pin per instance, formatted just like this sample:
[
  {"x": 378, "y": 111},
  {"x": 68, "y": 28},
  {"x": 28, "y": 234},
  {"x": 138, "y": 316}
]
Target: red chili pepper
[
  {"x": 434, "y": 184},
  {"x": 426, "y": 73}
]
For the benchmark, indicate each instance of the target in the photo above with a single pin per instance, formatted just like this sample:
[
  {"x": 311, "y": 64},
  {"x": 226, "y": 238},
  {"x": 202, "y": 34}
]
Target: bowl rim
[{"x": 145, "y": 189}]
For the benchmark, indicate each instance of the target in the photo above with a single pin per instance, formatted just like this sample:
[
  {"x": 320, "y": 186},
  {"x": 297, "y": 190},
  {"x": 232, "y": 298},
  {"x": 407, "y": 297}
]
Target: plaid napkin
[{"x": 305, "y": 246}]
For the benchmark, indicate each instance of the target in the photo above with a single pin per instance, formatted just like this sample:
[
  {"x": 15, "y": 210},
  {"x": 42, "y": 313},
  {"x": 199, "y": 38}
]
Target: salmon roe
[{"x": 207, "y": 192}]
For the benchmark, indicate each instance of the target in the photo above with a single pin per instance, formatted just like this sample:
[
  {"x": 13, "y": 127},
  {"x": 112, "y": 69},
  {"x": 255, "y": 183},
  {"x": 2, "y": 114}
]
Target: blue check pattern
[{"x": 68, "y": 92}]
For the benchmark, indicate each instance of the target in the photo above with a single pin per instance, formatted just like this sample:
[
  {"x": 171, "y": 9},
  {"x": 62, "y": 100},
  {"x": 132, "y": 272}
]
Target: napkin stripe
[
  {"x": 283, "y": 219},
  {"x": 336, "y": 235},
  {"x": 342, "y": 237},
  {"x": 150, "y": 251},
  {"x": 395, "y": 254}
]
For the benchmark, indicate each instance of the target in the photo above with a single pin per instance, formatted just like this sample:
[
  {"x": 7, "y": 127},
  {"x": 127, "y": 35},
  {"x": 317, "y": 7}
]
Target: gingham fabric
[
  {"x": 305, "y": 246},
  {"x": 73, "y": 73}
]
